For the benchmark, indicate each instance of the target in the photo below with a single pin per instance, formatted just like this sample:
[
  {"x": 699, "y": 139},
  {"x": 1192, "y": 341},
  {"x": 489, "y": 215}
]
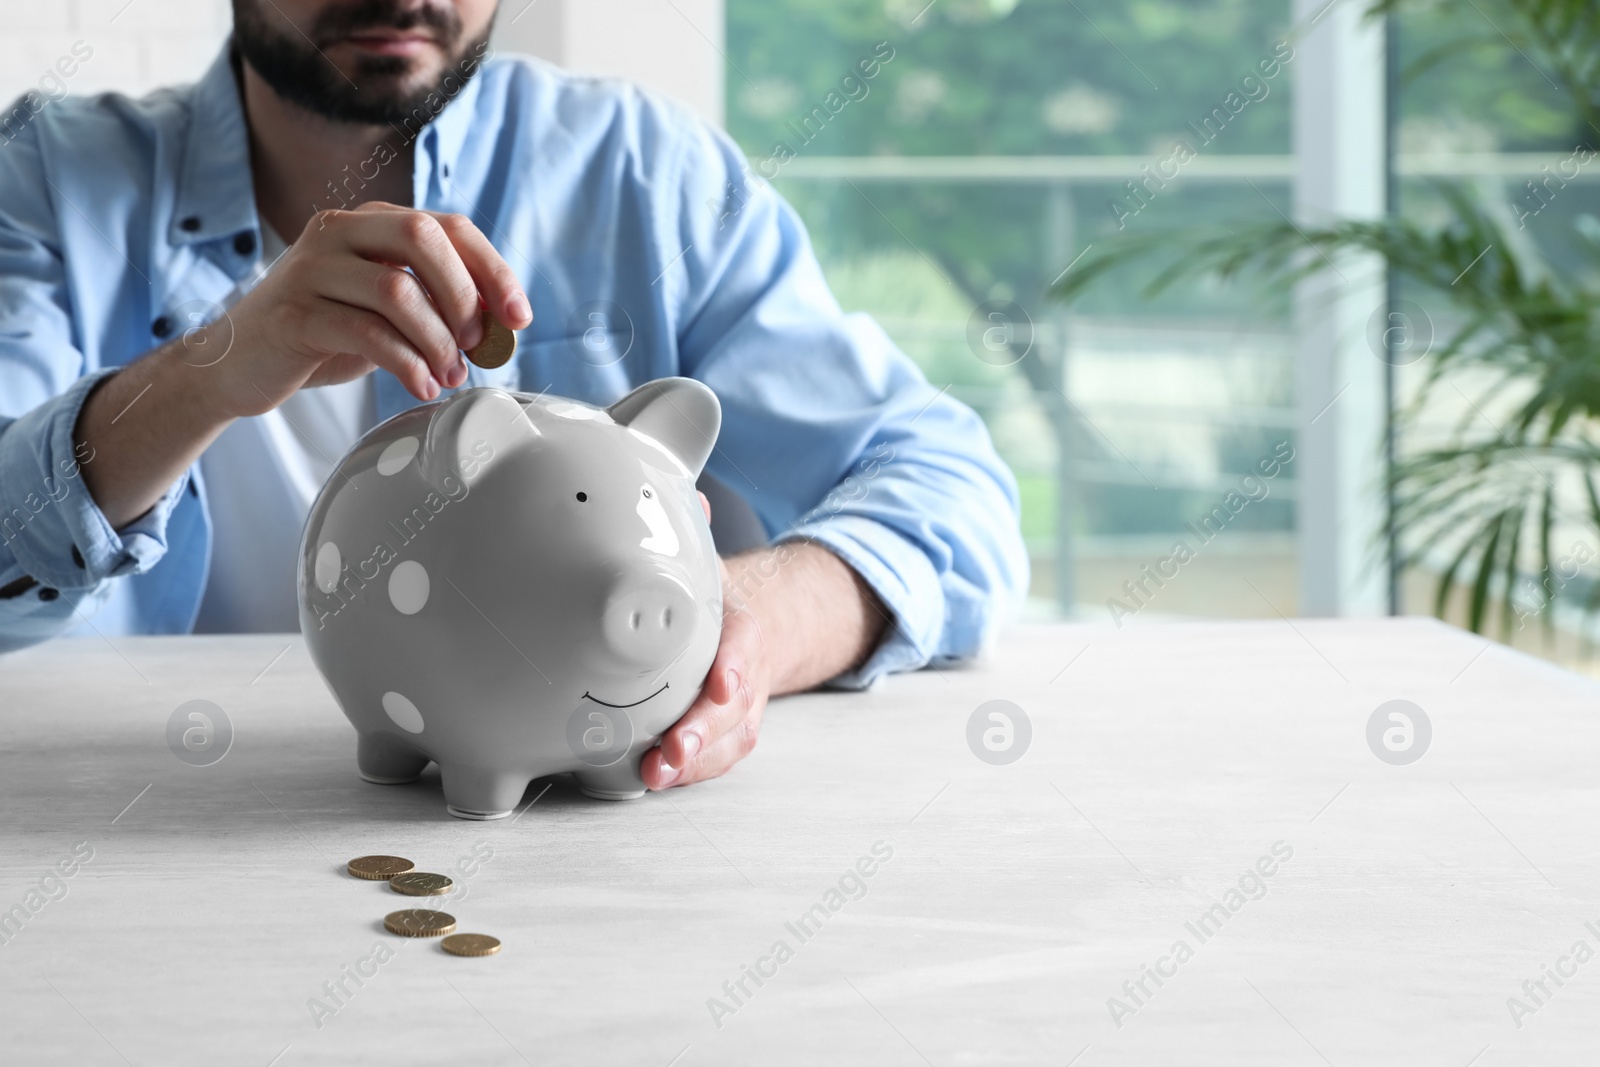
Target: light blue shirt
[{"x": 119, "y": 218}]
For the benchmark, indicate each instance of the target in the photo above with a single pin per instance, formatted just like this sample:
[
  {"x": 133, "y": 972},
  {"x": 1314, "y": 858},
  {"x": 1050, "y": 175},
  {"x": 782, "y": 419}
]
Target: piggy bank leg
[
  {"x": 386, "y": 761},
  {"x": 476, "y": 793},
  {"x": 620, "y": 781}
]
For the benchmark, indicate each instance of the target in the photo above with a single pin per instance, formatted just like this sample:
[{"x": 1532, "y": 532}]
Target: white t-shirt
[{"x": 261, "y": 476}]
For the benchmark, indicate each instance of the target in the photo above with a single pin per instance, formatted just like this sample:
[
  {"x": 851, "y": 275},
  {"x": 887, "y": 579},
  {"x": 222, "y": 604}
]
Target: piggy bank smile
[
  {"x": 514, "y": 586},
  {"x": 590, "y": 696}
]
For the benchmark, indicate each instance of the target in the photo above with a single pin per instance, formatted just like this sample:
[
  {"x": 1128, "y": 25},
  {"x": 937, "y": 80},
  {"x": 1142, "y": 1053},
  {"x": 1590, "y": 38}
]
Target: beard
[{"x": 382, "y": 90}]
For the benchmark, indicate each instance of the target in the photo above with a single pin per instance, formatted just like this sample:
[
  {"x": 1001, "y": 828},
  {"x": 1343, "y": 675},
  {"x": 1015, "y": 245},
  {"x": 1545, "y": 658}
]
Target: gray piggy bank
[{"x": 513, "y": 586}]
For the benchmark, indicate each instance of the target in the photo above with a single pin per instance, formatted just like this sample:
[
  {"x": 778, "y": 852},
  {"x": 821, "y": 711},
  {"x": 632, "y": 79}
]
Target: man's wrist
[
  {"x": 146, "y": 424},
  {"x": 818, "y": 617}
]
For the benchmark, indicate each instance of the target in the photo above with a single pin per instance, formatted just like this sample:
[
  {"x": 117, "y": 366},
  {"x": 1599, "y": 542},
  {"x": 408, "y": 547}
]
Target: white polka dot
[
  {"x": 393, "y": 459},
  {"x": 403, "y": 712},
  {"x": 408, "y": 587},
  {"x": 326, "y": 571}
]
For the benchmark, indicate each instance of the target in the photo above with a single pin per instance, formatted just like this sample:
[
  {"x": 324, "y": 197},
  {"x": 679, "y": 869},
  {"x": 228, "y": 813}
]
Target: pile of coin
[{"x": 403, "y": 877}]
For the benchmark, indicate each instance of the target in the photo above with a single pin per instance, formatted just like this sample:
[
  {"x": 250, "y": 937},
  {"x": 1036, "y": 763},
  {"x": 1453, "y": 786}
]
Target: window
[
  {"x": 953, "y": 159},
  {"x": 1483, "y": 112}
]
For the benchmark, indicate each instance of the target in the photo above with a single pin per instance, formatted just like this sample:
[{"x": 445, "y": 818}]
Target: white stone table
[{"x": 1164, "y": 762}]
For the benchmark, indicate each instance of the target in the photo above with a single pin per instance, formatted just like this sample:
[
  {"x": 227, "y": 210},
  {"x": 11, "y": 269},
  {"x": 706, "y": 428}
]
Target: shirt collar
[
  {"x": 440, "y": 143},
  {"x": 215, "y": 191}
]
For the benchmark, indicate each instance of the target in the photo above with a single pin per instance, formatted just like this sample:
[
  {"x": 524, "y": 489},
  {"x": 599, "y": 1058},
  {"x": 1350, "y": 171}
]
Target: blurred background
[{"x": 1000, "y": 142}]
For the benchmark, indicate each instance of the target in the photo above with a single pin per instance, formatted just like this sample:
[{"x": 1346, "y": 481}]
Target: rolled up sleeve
[
  {"x": 830, "y": 432},
  {"x": 50, "y": 522},
  {"x": 51, "y": 530}
]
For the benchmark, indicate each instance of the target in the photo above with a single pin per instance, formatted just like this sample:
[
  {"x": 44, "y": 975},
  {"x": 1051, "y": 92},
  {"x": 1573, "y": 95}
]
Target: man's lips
[{"x": 390, "y": 42}]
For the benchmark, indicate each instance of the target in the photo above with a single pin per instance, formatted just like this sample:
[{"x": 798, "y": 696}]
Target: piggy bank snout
[{"x": 648, "y": 619}]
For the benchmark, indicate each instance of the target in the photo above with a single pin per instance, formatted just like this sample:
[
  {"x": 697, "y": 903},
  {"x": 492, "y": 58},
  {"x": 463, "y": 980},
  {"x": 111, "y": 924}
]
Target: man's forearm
[
  {"x": 147, "y": 424},
  {"x": 817, "y": 616}
]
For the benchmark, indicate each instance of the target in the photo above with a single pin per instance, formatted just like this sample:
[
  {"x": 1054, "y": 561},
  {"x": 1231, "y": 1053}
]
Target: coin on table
[
  {"x": 419, "y": 922},
  {"x": 379, "y": 868},
  {"x": 499, "y": 344},
  {"x": 470, "y": 945},
  {"x": 421, "y": 884}
]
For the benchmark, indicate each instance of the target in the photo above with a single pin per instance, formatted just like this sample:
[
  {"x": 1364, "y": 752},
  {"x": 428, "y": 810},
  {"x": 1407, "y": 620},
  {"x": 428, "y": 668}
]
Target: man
[{"x": 168, "y": 410}]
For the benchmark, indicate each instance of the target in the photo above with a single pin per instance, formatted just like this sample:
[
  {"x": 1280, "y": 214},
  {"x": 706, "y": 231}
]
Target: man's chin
[
  {"x": 379, "y": 82},
  {"x": 348, "y": 81}
]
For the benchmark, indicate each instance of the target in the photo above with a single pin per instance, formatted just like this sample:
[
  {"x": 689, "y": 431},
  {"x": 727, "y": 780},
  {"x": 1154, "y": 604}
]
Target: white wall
[
  {"x": 671, "y": 45},
  {"x": 675, "y": 46},
  {"x": 137, "y": 46}
]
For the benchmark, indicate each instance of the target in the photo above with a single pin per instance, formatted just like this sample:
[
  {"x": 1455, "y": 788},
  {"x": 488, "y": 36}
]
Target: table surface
[{"x": 1164, "y": 761}]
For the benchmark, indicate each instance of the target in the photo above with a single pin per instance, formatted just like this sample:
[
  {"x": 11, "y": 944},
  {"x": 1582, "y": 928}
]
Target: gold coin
[
  {"x": 419, "y": 922},
  {"x": 470, "y": 945},
  {"x": 499, "y": 344},
  {"x": 421, "y": 884},
  {"x": 379, "y": 868}
]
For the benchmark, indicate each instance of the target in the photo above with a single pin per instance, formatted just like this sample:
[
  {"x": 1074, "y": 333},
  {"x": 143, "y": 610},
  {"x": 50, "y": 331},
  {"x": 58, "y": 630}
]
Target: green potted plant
[{"x": 1481, "y": 505}]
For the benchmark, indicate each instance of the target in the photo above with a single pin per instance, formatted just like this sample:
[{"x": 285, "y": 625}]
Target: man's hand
[
  {"x": 338, "y": 304},
  {"x": 794, "y": 615},
  {"x": 721, "y": 726},
  {"x": 342, "y": 301}
]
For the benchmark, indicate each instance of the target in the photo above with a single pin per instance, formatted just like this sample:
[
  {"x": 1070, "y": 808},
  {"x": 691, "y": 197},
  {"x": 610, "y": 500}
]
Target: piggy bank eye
[
  {"x": 646, "y": 492},
  {"x": 582, "y": 497}
]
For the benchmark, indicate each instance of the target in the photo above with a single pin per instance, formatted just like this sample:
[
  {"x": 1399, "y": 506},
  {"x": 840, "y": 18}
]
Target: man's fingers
[
  {"x": 724, "y": 701},
  {"x": 495, "y": 279},
  {"x": 364, "y": 333},
  {"x": 734, "y": 744},
  {"x": 399, "y": 297},
  {"x": 704, "y": 723},
  {"x": 715, "y": 761},
  {"x": 417, "y": 240}
]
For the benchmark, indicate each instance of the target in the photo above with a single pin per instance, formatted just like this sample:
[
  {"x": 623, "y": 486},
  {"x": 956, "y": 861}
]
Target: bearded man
[{"x": 208, "y": 295}]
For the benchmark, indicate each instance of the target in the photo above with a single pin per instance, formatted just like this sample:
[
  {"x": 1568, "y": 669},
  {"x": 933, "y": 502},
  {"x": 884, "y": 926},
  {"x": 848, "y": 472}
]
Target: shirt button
[
  {"x": 49, "y": 594},
  {"x": 161, "y": 327},
  {"x": 77, "y": 557},
  {"x": 190, "y": 224},
  {"x": 447, "y": 170},
  {"x": 244, "y": 244}
]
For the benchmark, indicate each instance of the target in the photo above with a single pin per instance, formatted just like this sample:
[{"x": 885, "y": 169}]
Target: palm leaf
[{"x": 1487, "y": 499}]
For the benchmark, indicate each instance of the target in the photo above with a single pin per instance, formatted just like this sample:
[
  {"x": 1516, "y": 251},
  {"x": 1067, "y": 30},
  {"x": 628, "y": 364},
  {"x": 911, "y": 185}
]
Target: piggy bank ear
[
  {"x": 681, "y": 413},
  {"x": 473, "y": 430}
]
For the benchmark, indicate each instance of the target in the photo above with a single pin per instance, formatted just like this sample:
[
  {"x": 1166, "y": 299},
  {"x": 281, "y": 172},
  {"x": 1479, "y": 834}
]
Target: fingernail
[
  {"x": 733, "y": 683},
  {"x": 430, "y": 389},
  {"x": 472, "y": 332},
  {"x": 691, "y": 745},
  {"x": 517, "y": 307},
  {"x": 669, "y": 774},
  {"x": 458, "y": 373}
]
